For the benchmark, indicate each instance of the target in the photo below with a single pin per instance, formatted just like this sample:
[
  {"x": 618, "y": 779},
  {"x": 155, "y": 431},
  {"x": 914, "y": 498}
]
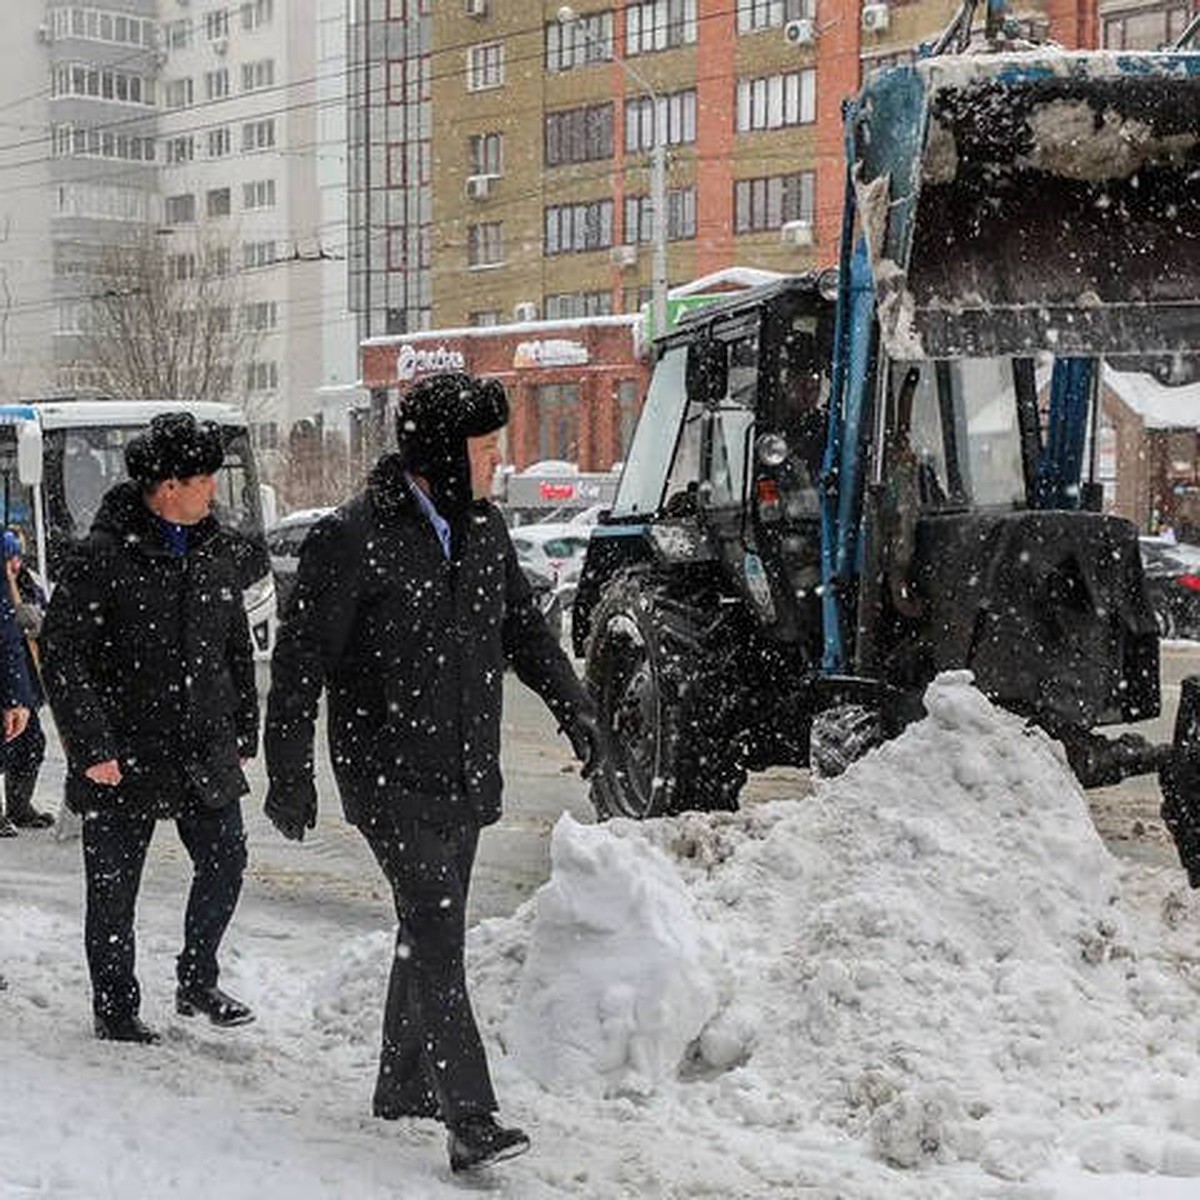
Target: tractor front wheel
[{"x": 652, "y": 691}]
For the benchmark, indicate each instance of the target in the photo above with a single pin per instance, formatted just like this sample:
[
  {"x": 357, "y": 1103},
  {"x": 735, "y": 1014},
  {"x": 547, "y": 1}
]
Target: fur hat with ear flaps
[
  {"x": 176, "y": 446},
  {"x": 433, "y": 422}
]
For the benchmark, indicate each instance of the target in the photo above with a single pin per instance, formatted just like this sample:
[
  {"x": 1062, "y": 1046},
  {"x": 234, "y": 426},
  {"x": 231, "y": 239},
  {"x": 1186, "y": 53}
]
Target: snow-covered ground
[{"x": 930, "y": 979}]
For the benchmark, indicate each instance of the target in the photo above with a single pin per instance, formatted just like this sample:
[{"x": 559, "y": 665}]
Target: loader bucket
[{"x": 1023, "y": 202}]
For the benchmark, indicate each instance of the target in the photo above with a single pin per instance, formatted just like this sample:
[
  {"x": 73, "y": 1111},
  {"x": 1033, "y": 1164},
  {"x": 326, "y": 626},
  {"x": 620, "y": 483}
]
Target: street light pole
[{"x": 567, "y": 16}]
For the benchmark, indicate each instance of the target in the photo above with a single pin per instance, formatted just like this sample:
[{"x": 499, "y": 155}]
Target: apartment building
[{"x": 218, "y": 127}]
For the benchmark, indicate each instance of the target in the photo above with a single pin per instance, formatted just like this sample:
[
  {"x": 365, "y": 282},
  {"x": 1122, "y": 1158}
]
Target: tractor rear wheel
[{"x": 651, "y": 697}]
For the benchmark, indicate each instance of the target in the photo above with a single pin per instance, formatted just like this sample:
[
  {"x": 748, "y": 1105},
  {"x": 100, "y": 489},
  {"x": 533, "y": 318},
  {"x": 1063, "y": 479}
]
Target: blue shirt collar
[{"x": 440, "y": 525}]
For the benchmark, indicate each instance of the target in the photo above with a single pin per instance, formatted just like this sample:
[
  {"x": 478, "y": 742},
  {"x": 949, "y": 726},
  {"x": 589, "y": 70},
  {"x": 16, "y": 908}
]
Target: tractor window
[
  {"x": 650, "y": 455},
  {"x": 733, "y": 419},
  {"x": 964, "y": 431}
]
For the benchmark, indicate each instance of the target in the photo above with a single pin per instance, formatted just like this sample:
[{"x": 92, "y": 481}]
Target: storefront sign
[
  {"x": 552, "y": 352},
  {"x": 411, "y": 362}
]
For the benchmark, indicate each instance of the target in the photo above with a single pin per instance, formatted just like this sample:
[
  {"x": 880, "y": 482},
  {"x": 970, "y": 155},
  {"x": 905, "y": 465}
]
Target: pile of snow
[{"x": 929, "y": 980}]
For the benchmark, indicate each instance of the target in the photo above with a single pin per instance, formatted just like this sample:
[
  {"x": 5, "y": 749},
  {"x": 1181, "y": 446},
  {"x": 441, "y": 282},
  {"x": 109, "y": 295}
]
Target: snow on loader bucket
[{"x": 1020, "y": 202}]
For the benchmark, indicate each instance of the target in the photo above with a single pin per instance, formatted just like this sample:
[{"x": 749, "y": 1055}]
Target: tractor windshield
[
  {"x": 965, "y": 431},
  {"x": 641, "y": 488}
]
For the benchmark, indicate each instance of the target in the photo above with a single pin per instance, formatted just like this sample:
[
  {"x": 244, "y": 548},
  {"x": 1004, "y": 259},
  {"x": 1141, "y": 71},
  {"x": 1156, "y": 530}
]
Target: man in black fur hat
[
  {"x": 409, "y": 602},
  {"x": 148, "y": 665}
]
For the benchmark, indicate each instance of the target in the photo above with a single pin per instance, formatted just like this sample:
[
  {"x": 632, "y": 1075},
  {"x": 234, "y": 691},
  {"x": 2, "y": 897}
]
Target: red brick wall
[{"x": 611, "y": 359}]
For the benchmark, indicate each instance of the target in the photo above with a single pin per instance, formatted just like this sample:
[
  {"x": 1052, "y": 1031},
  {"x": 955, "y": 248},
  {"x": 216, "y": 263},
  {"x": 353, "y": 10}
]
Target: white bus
[{"x": 59, "y": 457}]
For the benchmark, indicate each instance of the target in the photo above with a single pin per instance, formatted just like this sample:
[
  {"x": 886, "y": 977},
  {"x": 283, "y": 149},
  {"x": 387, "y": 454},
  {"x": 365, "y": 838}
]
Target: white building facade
[{"x": 217, "y": 126}]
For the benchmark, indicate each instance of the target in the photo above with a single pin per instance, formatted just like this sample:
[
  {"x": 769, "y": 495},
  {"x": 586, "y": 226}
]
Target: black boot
[
  {"x": 18, "y": 794},
  {"x": 478, "y": 1141},
  {"x": 218, "y": 1007},
  {"x": 7, "y": 828},
  {"x": 125, "y": 1029}
]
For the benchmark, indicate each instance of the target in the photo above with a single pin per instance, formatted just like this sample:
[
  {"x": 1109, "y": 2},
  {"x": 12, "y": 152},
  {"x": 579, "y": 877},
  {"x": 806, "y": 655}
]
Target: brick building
[{"x": 501, "y": 167}]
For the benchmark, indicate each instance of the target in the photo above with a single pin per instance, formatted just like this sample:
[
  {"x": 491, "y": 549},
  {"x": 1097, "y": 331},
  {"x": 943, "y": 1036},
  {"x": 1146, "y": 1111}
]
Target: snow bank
[{"x": 927, "y": 982}]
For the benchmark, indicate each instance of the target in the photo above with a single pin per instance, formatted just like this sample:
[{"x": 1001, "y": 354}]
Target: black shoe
[
  {"x": 7, "y": 828},
  {"x": 125, "y": 1029},
  {"x": 32, "y": 819},
  {"x": 477, "y": 1141},
  {"x": 219, "y": 1008}
]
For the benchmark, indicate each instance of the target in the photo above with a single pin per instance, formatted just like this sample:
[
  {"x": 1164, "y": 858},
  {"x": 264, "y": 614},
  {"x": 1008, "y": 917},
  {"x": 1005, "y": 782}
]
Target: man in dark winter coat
[
  {"x": 408, "y": 603},
  {"x": 148, "y": 665}
]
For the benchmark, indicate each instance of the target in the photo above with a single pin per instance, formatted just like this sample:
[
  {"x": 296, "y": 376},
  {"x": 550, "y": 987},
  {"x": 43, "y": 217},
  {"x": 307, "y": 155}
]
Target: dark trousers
[
  {"x": 22, "y": 760},
  {"x": 114, "y": 853},
  {"x": 433, "y": 1058}
]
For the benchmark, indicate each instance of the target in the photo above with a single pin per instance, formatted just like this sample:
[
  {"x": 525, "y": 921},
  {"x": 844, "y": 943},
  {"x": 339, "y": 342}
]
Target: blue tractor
[{"x": 845, "y": 482}]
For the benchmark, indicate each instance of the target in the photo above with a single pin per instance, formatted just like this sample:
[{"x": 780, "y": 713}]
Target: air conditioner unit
[
  {"x": 477, "y": 8},
  {"x": 221, "y": 45},
  {"x": 802, "y": 32},
  {"x": 478, "y": 186},
  {"x": 875, "y": 18},
  {"x": 526, "y": 310},
  {"x": 796, "y": 233},
  {"x": 624, "y": 256},
  {"x": 44, "y": 34}
]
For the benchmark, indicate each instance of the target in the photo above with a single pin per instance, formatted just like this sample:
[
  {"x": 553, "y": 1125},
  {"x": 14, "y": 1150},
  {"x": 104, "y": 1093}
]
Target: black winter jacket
[
  {"x": 146, "y": 658},
  {"x": 412, "y": 648}
]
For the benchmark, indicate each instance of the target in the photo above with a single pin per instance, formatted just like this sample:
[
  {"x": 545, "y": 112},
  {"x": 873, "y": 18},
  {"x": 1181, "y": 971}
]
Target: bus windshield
[{"x": 84, "y": 462}]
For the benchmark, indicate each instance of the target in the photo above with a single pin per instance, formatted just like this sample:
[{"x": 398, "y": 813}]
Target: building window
[
  {"x": 577, "y": 228},
  {"x": 216, "y": 24},
  {"x": 1145, "y": 28},
  {"x": 262, "y": 376},
  {"x": 485, "y": 316},
  {"x": 485, "y": 67},
  {"x": 179, "y": 34},
  {"x": 258, "y": 135},
  {"x": 771, "y": 14},
  {"x": 105, "y": 202},
  {"x": 180, "y": 210},
  {"x": 257, "y": 75},
  {"x": 216, "y": 84},
  {"x": 121, "y": 87},
  {"x": 659, "y": 25},
  {"x": 777, "y": 100},
  {"x": 178, "y": 94},
  {"x": 257, "y": 254},
  {"x": 566, "y": 306},
  {"x": 589, "y": 39},
  {"x": 770, "y": 202},
  {"x": 579, "y": 135},
  {"x": 70, "y": 140},
  {"x": 219, "y": 260},
  {"x": 259, "y": 194},
  {"x": 181, "y": 267},
  {"x": 558, "y": 421},
  {"x": 485, "y": 154},
  {"x": 266, "y": 435},
  {"x": 256, "y": 14},
  {"x": 260, "y": 315},
  {"x": 94, "y": 25},
  {"x": 180, "y": 150},
  {"x": 681, "y": 216},
  {"x": 217, "y": 202},
  {"x": 220, "y": 142},
  {"x": 676, "y": 113},
  {"x": 485, "y": 244}
]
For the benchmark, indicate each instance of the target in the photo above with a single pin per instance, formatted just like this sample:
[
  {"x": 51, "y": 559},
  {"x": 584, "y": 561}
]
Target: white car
[{"x": 556, "y": 547}]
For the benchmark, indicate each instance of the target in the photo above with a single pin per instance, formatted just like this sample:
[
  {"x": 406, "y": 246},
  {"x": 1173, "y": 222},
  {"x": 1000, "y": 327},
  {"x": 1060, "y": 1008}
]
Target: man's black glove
[
  {"x": 291, "y": 805},
  {"x": 588, "y": 740}
]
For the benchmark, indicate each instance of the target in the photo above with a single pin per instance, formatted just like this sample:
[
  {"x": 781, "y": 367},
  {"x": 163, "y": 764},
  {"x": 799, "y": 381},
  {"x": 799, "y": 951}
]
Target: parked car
[
  {"x": 557, "y": 547},
  {"x": 1172, "y": 572},
  {"x": 285, "y": 539}
]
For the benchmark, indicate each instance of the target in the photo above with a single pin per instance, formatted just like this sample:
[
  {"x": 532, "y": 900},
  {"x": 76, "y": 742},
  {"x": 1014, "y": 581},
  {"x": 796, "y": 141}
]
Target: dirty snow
[{"x": 928, "y": 980}]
